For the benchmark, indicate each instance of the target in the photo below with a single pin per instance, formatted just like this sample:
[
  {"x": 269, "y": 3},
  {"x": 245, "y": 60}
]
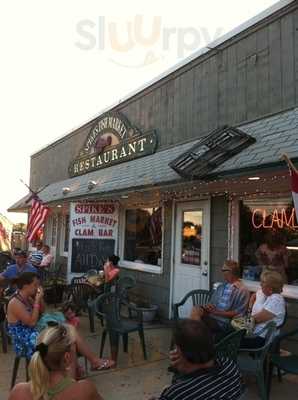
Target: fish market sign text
[{"x": 112, "y": 140}]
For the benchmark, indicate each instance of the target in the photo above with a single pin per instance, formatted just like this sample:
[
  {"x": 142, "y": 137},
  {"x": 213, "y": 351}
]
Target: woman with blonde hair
[
  {"x": 50, "y": 369},
  {"x": 266, "y": 305}
]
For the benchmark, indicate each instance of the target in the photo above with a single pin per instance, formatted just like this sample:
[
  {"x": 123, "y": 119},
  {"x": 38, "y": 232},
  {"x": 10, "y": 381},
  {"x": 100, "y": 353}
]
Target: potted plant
[{"x": 147, "y": 309}]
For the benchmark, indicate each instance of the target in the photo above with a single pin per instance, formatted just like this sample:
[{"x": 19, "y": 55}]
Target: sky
[{"x": 63, "y": 61}]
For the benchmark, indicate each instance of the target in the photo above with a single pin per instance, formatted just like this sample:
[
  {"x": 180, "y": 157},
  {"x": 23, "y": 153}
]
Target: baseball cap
[{"x": 21, "y": 253}]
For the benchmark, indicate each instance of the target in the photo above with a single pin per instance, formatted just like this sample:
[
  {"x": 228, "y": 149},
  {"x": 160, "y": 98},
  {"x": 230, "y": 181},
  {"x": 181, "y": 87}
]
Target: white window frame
[
  {"x": 62, "y": 236},
  {"x": 153, "y": 269},
  {"x": 289, "y": 291}
]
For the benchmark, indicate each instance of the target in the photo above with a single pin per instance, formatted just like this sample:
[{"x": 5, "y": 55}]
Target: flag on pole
[
  {"x": 294, "y": 181},
  {"x": 38, "y": 216}
]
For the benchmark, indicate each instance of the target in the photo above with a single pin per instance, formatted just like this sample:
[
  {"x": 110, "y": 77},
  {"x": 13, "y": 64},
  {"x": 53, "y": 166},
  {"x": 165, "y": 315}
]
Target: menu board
[{"x": 90, "y": 253}]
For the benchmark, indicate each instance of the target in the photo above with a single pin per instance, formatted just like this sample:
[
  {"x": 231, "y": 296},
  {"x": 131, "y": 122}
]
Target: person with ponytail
[
  {"x": 23, "y": 313},
  {"x": 50, "y": 369}
]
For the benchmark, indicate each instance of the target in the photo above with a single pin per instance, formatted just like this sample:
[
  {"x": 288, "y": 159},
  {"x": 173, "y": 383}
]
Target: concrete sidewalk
[{"x": 136, "y": 379}]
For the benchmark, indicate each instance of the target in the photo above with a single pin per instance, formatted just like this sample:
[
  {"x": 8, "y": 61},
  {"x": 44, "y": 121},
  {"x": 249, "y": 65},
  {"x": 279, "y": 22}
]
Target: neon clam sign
[{"x": 278, "y": 218}]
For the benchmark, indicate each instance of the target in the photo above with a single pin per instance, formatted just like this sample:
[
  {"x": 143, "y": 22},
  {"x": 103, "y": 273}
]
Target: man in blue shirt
[
  {"x": 228, "y": 300},
  {"x": 21, "y": 265}
]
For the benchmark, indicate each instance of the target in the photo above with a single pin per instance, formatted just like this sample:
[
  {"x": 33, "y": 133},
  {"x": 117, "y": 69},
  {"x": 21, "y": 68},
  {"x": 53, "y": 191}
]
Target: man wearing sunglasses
[{"x": 228, "y": 300}]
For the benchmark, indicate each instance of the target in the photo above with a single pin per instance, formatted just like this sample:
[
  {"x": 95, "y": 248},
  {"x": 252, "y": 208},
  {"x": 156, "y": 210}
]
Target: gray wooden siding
[
  {"x": 218, "y": 237},
  {"x": 252, "y": 75}
]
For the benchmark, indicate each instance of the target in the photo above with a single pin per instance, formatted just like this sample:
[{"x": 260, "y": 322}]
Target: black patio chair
[
  {"x": 3, "y": 323},
  {"x": 124, "y": 284},
  {"x": 54, "y": 283},
  {"x": 198, "y": 297},
  {"x": 80, "y": 293},
  {"x": 121, "y": 288},
  {"x": 275, "y": 347},
  {"x": 15, "y": 369},
  {"x": 108, "y": 307},
  {"x": 254, "y": 361},
  {"x": 78, "y": 279}
]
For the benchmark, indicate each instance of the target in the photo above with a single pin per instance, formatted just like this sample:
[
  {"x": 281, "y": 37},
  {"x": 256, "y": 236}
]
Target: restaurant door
[{"x": 191, "y": 254}]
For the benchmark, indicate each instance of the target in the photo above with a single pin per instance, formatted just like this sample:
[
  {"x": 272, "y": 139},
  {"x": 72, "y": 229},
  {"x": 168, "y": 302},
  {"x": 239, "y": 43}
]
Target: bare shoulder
[
  {"x": 87, "y": 390},
  {"x": 21, "y": 391}
]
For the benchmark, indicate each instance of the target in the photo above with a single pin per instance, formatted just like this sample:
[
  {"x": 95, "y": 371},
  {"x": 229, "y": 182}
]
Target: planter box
[{"x": 148, "y": 313}]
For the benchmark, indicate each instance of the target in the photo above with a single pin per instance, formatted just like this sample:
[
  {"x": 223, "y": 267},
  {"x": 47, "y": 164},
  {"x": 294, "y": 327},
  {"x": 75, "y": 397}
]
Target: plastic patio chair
[
  {"x": 125, "y": 283},
  {"x": 253, "y": 362},
  {"x": 122, "y": 287},
  {"x": 275, "y": 347},
  {"x": 108, "y": 307},
  {"x": 229, "y": 346},
  {"x": 80, "y": 294},
  {"x": 198, "y": 297},
  {"x": 3, "y": 322},
  {"x": 288, "y": 364}
]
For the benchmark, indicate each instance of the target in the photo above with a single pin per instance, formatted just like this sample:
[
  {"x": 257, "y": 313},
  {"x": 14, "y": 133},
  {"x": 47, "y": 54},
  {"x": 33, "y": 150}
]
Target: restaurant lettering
[{"x": 112, "y": 140}]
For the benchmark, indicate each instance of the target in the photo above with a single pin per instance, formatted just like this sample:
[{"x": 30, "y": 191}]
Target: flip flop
[{"x": 105, "y": 364}]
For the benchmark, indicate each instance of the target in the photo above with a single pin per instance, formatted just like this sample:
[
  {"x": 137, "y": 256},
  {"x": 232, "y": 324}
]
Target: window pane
[
  {"x": 66, "y": 233},
  {"x": 191, "y": 237},
  {"x": 143, "y": 235},
  {"x": 269, "y": 239}
]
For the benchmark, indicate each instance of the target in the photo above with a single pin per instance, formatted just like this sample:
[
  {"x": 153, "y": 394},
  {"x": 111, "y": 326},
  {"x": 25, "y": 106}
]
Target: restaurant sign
[
  {"x": 112, "y": 140},
  {"x": 94, "y": 220},
  {"x": 93, "y": 234}
]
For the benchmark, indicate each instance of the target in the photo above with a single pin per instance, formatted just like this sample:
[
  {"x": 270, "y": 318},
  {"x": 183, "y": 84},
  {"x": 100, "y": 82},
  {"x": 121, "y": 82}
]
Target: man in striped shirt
[{"x": 200, "y": 375}]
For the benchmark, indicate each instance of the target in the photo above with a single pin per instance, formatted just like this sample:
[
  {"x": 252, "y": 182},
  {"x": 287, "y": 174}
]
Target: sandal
[{"x": 105, "y": 364}]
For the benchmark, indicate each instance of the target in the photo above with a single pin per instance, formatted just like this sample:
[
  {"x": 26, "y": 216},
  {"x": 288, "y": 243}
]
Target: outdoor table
[{"x": 96, "y": 282}]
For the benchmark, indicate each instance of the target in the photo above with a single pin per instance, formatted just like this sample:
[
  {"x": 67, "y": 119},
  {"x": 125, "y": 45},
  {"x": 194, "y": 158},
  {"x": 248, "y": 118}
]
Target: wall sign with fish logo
[{"x": 112, "y": 140}]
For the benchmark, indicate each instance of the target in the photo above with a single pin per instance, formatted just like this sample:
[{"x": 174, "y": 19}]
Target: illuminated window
[
  {"x": 268, "y": 229},
  {"x": 191, "y": 237},
  {"x": 143, "y": 235}
]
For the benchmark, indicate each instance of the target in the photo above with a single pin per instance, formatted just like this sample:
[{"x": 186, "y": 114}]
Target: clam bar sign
[
  {"x": 94, "y": 220},
  {"x": 112, "y": 140}
]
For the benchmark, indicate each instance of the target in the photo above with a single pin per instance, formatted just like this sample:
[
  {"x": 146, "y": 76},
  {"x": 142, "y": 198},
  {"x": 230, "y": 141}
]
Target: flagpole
[{"x": 289, "y": 162}]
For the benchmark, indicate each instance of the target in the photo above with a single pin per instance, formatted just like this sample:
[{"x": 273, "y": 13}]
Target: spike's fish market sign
[{"x": 112, "y": 140}]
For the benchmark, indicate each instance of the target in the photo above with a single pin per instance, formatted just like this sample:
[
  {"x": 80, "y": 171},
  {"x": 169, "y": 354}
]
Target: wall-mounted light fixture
[
  {"x": 91, "y": 184},
  {"x": 65, "y": 190}
]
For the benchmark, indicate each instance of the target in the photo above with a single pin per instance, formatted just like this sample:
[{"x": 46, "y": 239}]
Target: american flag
[
  {"x": 294, "y": 181},
  {"x": 38, "y": 216}
]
